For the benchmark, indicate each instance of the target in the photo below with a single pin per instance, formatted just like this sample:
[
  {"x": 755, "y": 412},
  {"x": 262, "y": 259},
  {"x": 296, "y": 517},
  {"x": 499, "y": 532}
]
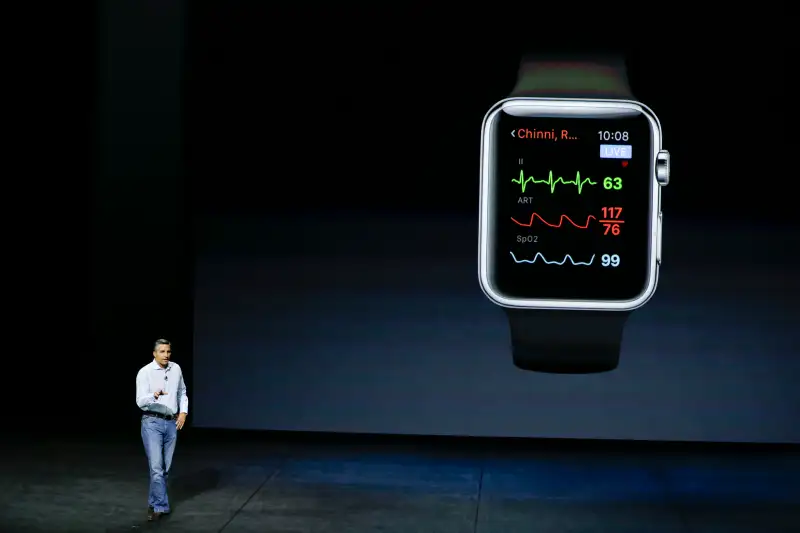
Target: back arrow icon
[{"x": 512, "y": 134}]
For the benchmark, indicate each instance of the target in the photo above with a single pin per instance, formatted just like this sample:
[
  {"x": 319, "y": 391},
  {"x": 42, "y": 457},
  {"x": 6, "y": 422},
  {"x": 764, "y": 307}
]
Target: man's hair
[{"x": 159, "y": 342}]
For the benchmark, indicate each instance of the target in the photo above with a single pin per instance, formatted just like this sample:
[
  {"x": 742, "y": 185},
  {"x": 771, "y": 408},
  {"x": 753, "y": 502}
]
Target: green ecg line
[{"x": 578, "y": 182}]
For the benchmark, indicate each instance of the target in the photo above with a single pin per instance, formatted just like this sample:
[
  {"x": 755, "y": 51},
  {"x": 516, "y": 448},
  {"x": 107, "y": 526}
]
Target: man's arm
[
  {"x": 144, "y": 396},
  {"x": 183, "y": 397}
]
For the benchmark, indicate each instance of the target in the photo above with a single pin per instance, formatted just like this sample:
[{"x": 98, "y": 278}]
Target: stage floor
[{"x": 240, "y": 482}]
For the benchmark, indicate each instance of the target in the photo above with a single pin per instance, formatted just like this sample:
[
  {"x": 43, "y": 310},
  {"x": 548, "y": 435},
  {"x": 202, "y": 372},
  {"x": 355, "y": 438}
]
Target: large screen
[
  {"x": 570, "y": 206},
  {"x": 346, "y": 299}
]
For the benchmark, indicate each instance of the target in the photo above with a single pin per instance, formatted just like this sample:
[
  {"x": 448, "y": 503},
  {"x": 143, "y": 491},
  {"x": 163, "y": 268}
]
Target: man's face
[{"x": 162, "y": 353}]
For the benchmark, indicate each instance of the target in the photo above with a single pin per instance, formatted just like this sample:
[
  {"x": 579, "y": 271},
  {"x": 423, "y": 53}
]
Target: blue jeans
[{"x": 159, "y": 437}]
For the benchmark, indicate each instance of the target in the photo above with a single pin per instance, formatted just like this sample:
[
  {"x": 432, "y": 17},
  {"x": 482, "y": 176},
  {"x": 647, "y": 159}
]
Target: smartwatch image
[{"x": 570, "y": 211}]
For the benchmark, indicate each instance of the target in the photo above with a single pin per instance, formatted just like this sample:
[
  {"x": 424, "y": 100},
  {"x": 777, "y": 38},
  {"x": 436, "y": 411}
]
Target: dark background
[{"x": 266, "y": 101}]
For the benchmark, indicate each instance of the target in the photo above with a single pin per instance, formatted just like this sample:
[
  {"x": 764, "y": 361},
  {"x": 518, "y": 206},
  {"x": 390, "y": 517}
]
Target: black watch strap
[
  {"x": 569, "y": 342},
  {"x": 564, "y": 76},
  {"x": 566, "y": 342}
]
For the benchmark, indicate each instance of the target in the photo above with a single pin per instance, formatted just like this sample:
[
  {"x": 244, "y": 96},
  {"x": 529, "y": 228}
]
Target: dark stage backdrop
[
  {"x": 335, "y": 197},
  {"x": 375, "y": 323}
]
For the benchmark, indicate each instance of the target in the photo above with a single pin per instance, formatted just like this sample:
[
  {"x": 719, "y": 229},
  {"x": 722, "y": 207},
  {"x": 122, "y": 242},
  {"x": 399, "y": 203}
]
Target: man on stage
[{"x": 161, "y": 394}]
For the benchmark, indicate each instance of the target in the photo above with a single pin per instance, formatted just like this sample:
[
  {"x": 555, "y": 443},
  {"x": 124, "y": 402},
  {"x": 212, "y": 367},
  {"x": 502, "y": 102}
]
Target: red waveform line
[{"x": 560, "y": 221}]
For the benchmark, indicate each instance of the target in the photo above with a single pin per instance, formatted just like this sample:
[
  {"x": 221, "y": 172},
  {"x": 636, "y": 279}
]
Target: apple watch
[{"x": 570, "y": 211}]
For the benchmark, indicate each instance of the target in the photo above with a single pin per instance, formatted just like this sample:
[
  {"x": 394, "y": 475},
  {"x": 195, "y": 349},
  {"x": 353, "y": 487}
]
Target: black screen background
[{"x": 540, "y": 280}]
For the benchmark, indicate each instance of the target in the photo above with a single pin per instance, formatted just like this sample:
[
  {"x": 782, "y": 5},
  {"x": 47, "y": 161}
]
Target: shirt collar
[{"x": 156, "y": 366}]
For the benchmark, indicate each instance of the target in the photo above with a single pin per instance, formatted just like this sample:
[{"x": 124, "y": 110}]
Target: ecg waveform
[
  {"x": 559, "y": 263},
  {"x": 561, "y": 220},
  {"x": 578, "y": 182}
]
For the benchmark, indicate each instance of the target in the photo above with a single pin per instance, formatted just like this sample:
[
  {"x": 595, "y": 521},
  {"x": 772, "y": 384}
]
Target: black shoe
[{"x": 152, "y": 515}]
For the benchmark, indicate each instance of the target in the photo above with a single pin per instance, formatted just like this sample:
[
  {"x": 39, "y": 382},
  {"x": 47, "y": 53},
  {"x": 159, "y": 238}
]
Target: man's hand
[
  {"x": 159, "y": 393},
  {"x": 181, "y": 420}
]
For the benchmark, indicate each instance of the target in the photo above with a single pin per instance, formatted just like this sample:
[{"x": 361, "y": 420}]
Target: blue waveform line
[{"x": 539, "y": 255}]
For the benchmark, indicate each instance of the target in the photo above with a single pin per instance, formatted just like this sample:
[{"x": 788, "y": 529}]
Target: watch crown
[{"x": 662, "y": 167}]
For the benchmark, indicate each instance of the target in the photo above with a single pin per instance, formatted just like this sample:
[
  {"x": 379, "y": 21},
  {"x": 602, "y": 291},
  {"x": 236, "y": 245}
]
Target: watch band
[
  {"x": 571, "y": 77},
  {"x": 566, "y": 342},
  {"x": 569, "y": 342}
]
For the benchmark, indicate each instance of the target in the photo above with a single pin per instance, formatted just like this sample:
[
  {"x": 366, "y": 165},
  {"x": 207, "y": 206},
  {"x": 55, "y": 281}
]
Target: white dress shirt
[{"x": 151, "y": 379}]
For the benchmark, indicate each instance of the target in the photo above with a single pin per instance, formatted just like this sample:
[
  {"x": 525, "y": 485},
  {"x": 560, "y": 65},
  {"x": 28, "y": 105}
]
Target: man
[{"x": 161, "y": 394}]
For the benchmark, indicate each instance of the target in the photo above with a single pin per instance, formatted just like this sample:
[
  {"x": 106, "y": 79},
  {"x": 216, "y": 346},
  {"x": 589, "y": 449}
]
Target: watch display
[{"x": 570, "y": 204}]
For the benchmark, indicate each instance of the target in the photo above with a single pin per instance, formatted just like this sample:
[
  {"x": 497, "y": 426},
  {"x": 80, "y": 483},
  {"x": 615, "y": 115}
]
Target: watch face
[{"x": 569, "y": 204}]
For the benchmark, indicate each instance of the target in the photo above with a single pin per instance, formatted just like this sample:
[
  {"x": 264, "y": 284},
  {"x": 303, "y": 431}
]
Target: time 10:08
[{"x": 613, "y": 135}]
